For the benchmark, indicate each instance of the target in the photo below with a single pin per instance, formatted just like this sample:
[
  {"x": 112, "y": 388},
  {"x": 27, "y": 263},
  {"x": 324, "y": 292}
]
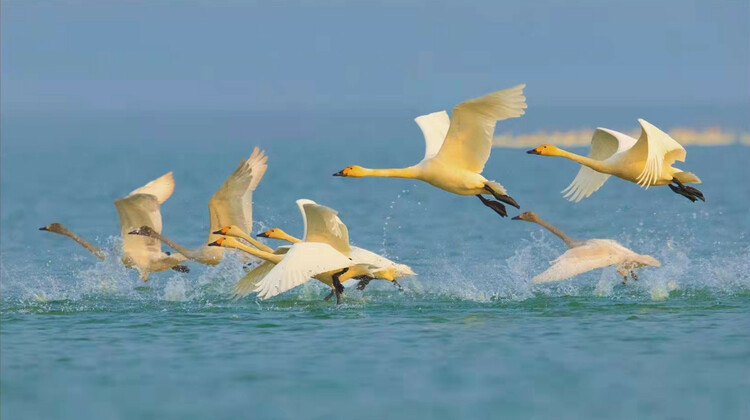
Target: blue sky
[{"x": 328, "y": 55}]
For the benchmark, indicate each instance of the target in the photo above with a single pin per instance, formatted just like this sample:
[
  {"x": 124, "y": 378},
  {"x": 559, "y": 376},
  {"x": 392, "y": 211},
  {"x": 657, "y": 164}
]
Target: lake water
[{"x": 470, "y": 337}]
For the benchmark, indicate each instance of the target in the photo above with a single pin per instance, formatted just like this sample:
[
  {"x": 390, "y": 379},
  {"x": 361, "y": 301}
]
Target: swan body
[
  {"x": 587, "y": 255},
  {"x": 322, "y": 224},
  {"x": 646, "y": 161},
  {"x": 141, "y": 208},
  {"x": 457, "y": 149},
  {"x": 292, "y": 267},
  {"x": 231, "y": 204}
]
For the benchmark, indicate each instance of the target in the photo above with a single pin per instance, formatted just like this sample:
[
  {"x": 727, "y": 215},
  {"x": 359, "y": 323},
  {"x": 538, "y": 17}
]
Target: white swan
[
  {"x": 231, "y": 204},
  {"x": 141, "y": 208},
  {"x": 583, "y": 256},
  {"x": 294, "y": 266},
  {"x": 458, "y": 148},
  {"x": 322, "y": 224},
  {"x": 646, "y": 161}
]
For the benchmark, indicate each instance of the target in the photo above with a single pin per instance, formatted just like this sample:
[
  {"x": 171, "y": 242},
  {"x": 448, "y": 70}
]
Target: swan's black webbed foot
[
  {"x": 691, "y": 193},
  {"x": 633, "y": 276},
  {"x": 181, "y": 269},
  {"x": 338, "y": 288},
  {"x": 502, "y": 197},
  {"x": 395, "y": 283},
  {"x": 363, "y": 282},
  {"x": 330, "y": 295},
  {"x": 494, "y": 205}
]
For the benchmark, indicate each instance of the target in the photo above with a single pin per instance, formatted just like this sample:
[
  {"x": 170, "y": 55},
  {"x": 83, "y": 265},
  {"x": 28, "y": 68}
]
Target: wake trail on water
[{"x": 443, "y": 274}]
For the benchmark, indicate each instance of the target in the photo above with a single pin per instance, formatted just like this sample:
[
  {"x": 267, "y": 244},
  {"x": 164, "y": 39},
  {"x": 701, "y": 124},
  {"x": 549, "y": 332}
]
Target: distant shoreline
[{"x": 713, "y": 136}]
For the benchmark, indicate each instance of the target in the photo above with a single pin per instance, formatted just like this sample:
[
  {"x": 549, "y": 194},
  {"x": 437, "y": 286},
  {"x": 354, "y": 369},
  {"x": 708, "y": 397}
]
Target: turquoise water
[{"x": 470, "y": 337}]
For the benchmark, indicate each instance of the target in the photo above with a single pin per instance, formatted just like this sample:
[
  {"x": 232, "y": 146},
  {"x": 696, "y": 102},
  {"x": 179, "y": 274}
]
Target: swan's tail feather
[
  {"x": 687, "y": 178},
  {"x": 497, "y": 187}
]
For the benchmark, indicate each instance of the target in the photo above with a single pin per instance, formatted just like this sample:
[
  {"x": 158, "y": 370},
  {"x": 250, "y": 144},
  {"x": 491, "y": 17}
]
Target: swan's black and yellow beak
[
  {"x": 222, "y": 231},
  {"x": 216, "y": 242},
  {"x": 43, "y": 228},
  {"x": 340, "y": 173},
  {"x": 533, "y": 152},
  {"x": 516, "y": 218},
  {"x": 262, "y": 235}
]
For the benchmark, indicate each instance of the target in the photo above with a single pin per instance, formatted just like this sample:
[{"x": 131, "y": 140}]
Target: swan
[
  {"x": 141, "y": 208},
  {"x": 646, "y": 161},
  {"x": 583, "y": 256},
  {"x": 231, "y": 204},
  {"x": 457, "y": 149},
  {"x": 62, "y": 230},
  {"x": 322, "y": 224},
  {"x": 292, "y": 266}
]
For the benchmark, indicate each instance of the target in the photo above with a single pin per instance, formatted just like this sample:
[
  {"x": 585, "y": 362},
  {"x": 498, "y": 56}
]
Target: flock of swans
[{"x": 456, "y": 151}]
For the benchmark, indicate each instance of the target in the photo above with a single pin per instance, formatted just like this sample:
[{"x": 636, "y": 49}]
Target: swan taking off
[
  {"x": 293, "y": 266},
  {"x": 322, "y": 224},
  {"x": 141, "y": 208},
  {"x": 458, "y": 148},
  {"x": 231, "y": 204},
  {"x": 583, "y": 256},
  {"x": 646, "y": 161}
]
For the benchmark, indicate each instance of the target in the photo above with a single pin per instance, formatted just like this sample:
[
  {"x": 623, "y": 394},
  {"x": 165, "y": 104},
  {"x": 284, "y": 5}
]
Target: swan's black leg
[
  {"x": 502, "y": 197},
  {"x": 181, "y": 269},
  {"x": 494, "y": 205},
  {"x": 691, "y": 193},
  {"x": 363, "y": 282},
  {"x": 633, "y": 275},
  {"x": 338, "y": 288},
  {"x": 330, "y": 295},
  {"x": 395, "y": 283}
]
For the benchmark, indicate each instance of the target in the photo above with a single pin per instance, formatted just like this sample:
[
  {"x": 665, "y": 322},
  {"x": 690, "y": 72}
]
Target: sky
[{"x": 333, "y": 55}]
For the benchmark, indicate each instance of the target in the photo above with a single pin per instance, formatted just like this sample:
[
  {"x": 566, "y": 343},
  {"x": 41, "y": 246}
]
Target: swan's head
[
  {"x": 143, "y": 231},
  {"x": 274, "y": 233},
  {"x": 527, "y": 216},
  {"x": 545, "y": 150},
  {"x": 226, "y": 242},
  {"x": 231, "y": 230},
  {"x": 353, "y": 171},
  {"x": 54, "y": 227}
]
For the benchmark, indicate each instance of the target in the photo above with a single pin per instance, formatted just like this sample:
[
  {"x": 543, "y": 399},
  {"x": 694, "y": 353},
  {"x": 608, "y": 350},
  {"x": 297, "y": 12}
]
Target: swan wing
[
  {"x": 249, "y": 282},
  {"x": 303, "y": 261},
  {"x": 434, "y": 128},
  {"x": 136, "y": 210},
  {"x": 578, "y": 260},
  {"x": 604, "y": 144},
  {"x": 469, "y": 139},
  {"x": 366, "y": 257},
  {"x": 232, "y": 203},
  {"x": 656, "y": 148},
  {"x": 322, "y": 224},
  {"x": 161, "y": 188}
]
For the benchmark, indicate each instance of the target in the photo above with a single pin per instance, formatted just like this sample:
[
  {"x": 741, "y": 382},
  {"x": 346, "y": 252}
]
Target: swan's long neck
[
  {"x": 410, "y": 172},
  {"x": 287, "y": 237},
  {"x": 254, "y": 242},
  {"x": 98, "y": 253},
  {"x": 268, "y": 256},
  {"x": 188, "y": 253},
  {"x": 594, "y": 164},
  {"x": 570, "y": 242}
]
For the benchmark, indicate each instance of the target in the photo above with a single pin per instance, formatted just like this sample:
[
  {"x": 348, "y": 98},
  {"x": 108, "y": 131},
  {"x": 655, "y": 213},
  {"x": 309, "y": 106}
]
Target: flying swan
[
  {"x": 139, "y": 208},
  {"x": 231, "y": 204},
  {"x": 646, "y": 161},
  {"x": 322, "y": 224},
  {"x": 457, "y": 149},
  {"x": 292, "y": 266},
  {"x": 583, "y": 256}
]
